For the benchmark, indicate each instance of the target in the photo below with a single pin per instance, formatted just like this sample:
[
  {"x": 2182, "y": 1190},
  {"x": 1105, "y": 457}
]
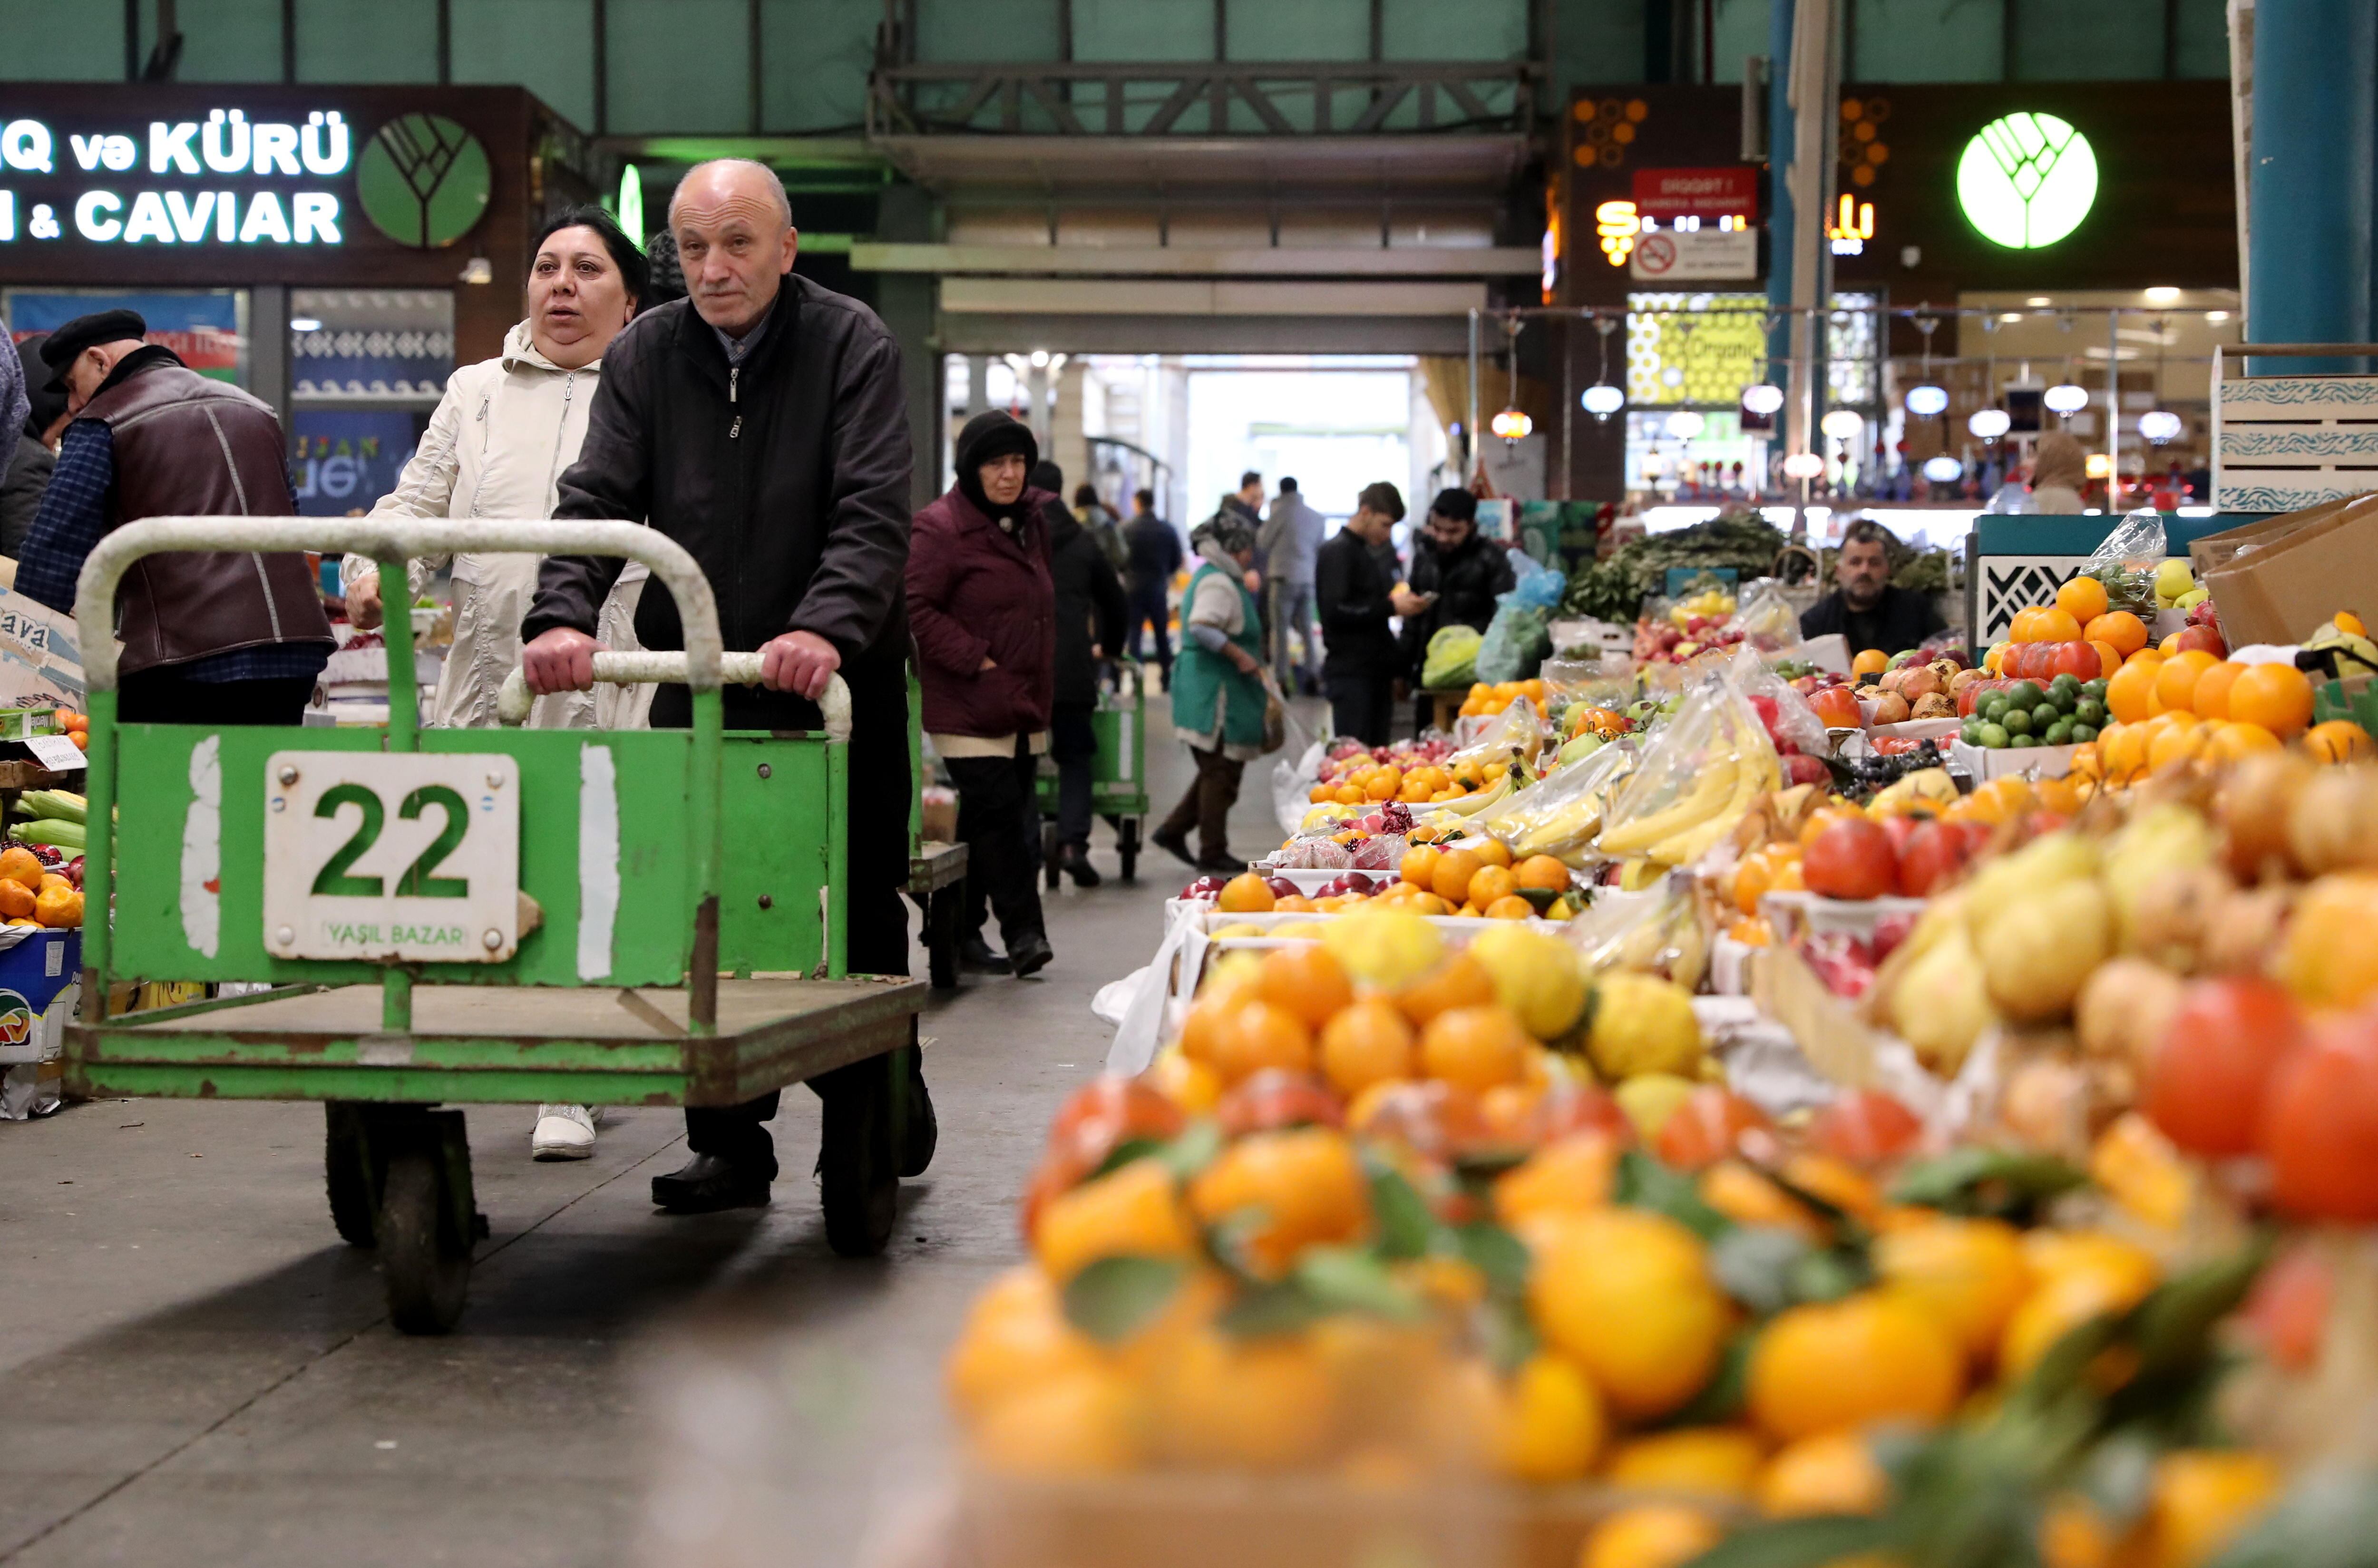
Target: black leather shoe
[
  {"x": 1222, "y": 865},
  {"x": 923, "y": 1130},
  {"x": 1030, "y": 953},
  {"x": 707, "y": 1183},
  {"x": 975, "y": 957},
  {"x": 1074, "y": 859},
  {"x": 1176, "y": 847}
]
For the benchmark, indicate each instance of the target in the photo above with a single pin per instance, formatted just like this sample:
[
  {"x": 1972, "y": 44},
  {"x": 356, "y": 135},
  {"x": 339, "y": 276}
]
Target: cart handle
[
  {"x": 630, "y": 669},
  {"x": 392, "y": 538}
]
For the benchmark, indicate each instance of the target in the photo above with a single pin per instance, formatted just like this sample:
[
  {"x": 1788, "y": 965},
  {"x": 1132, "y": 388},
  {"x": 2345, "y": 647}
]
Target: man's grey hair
[{"x": 784, "y": 202}]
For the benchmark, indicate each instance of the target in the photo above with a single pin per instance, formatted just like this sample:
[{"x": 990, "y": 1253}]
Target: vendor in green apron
[{"x": 1217, "y": 691}]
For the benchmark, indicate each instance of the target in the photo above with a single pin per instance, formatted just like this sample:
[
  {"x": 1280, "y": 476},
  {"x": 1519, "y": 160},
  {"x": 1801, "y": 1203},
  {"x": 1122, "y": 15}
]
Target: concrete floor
[{"x": 193, "y": 1370}]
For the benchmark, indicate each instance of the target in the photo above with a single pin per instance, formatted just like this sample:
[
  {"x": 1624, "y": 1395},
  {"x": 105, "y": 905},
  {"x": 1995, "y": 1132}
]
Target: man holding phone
[
  {"x": 1357, "y": 601},
  {"x": 1456, "y": 574}
]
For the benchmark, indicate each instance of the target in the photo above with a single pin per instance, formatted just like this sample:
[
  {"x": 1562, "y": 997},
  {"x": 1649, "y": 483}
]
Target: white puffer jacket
[{"x": 496, "y": 446}]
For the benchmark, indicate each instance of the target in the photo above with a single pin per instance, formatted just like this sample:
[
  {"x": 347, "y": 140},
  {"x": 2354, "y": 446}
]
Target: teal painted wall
[
  {"x": 48, "y": 42},
  {"x": 817, "y": 56},
  {"x": 547, "y": 46},
  {"x": 680, "y": 65},
  {"x": 1932, "y": 40},
  {"x": 383, "y": 41},
  {"x": 229, "y": 39}
]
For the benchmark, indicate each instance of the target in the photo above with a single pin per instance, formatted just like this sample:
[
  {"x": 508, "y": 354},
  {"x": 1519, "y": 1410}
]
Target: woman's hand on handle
[
  {"x": 560, "y": 660},
  {"x": 363, "y": 601}
]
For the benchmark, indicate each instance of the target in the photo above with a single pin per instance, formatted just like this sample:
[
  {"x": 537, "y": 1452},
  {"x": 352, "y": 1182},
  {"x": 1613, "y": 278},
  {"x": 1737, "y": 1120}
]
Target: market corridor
[{"x": 193, "y": 1370}]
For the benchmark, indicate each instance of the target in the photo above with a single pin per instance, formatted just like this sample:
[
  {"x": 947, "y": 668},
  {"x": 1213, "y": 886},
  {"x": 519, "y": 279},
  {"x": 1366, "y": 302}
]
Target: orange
[
  {"x": 1510, "y": 906},
  {"x": 1571, "y": 1175},
  {"x": 2346, "y": 622},
  {"x": 1450, "y": 880},
  {"x": 2212, "y": 697},
  {"x": 1474, "y": 1047},
  {"x": 21, "y": 866},
  {"x": 1752, "y": 878},
  {"x": 1257, "y": 1035},
  {"x": 2056, "y": 624},
  {"x": 1831, "y": 1473},
  {"x": 2129, "y": 688},
  {"x": 1996, "y": 656},
  {"x": 1322, "y": 794},
  {"x": 1839, "y": 1366},
  {"x": 1351, "y": 795},
  {"x": 15, "y": 900},
  {"x": 2083, "y": 598},
  {"x": 1015, "y": 1334},
  {"x": 2339, "y": 740},
  {"x": 1490, "y": 883},
  {"x": 1629, "y": 1295},
  {"x": 1300, "y": 1187},
  {"x": 1720, "y": 1463},
  {"x": 2176, "y": 682},
  {"x": 1418, "y": 865},
  {"x": 1384, "y": 784},
  {"x": 1190, "y": 1085},
  {"x": 2021, "y": 628},
  {"x": 2277, "y": 697},
  {"x": 1970, "y": 1274},
  {"x": 2237, "y": 738},
  {"x": 1460, "y": 981},
  {"x": 1788, "y": 878},
  {"x": 1082, "y": 1421},
  {"x": 1133, "y": 1210},
  {"x": 1651, "y": 1535},
  {"x": 1552, "y": 1421},
  {"x": 2109, "y": 658},
  {"x": 2201, "y": 1499},
  {"x": 1305, "y": 979},
  {"x": 1869, "y": 662},
  {"x": 1494, "y": 852},
  {"x": 1541, "y": 873},
  {"x": 2176, "y": 744},
  {"x": 1366, "y": 1044},
  {"x": 1257, "y": 1403}
]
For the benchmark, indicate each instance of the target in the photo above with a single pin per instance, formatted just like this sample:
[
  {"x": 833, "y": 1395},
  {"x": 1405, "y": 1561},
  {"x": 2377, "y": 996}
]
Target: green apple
[{"x": 2173, "y": 579}]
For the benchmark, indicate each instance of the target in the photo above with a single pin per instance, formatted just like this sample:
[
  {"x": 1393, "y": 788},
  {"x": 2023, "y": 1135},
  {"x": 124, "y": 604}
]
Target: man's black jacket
[
  {"x": 1354, "y": 609},
  {"x": 1465, "y": 580}
]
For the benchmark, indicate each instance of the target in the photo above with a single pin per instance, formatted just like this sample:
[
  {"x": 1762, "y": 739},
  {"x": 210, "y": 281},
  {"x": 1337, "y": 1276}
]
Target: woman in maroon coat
[{"x": 983, "y": 608}]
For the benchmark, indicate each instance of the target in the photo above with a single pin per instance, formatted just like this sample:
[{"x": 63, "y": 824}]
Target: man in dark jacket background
[
  {"x": 1456, "y": 573},
  {"x": 1156, "y": 556},
  {"x": 209, "y": 636},
  {"x": 29, "y": 469},
  {"x": 1089, "y": 622},
  {"x": 1360, "y": 668},
  {"x": 759, "y": 423}
]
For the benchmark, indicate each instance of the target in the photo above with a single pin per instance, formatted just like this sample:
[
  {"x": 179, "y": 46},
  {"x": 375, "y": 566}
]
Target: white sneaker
[{"x": 563, "y": 1132}]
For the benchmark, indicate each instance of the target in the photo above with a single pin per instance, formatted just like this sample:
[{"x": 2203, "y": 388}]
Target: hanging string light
[
  {"x": 1601, "y": 400},
  {"x": 1512, "y": 424},
  {"x": 2160, "y": 424},
  {"x": 1924, "y": 399}
]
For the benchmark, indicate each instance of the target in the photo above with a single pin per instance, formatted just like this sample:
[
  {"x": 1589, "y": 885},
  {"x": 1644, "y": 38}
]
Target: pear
[
  {"x": 2040, "y": 948},
  {"x": 2174, "y": 578},
  {"x": 1940, "y": 1006},
  {"x": 2043, "y": 862}
]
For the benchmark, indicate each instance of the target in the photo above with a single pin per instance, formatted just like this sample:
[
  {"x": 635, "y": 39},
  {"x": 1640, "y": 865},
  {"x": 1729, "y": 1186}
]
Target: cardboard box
[
  {"x": 39, "y": 664},
  {"x": 2216, "y": 550},
  {"x": 2279, "y": 590}
]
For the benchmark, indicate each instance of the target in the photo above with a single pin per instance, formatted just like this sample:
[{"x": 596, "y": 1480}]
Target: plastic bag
[
  {"x": 1701, "y": 772},
  {"x": 1451, "y": 661},
  {"x": 1291, "y": 785},
  {"x": 2127, "y": 563},
  {"x": 1786, "y": 714},
  {"x": 1767, "y": 620},
  {"x": 1515, "y": 735},
  {"x": 1519, "y": 637},
  {"x": 1560, "y": 816},
  {"x": 1662, "y": 931}
]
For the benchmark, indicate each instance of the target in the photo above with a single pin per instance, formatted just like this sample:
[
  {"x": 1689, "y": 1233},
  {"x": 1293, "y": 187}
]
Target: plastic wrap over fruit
[
  {"x": 1313, "y": 854},
  {"x": 1561, "y": 816},
  {"x": 2127, "y": 561},
  {"x": 1767, "y": 620},
  {"x": 1662, "y": 931},
  {"x": 1517, "y": 731},
  {"x": 1702, "y": 771},
  {"x": 1786, "y": 716},
  {"x": 1380, "y": 851}
]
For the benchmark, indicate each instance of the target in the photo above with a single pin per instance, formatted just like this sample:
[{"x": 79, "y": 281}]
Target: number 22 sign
[{"x": 378, "y": 855}]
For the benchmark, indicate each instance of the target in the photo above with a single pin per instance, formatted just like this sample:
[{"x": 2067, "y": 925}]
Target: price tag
[
  {"x": 370, "y": 856},
  {"x": 57, "y": 753}
]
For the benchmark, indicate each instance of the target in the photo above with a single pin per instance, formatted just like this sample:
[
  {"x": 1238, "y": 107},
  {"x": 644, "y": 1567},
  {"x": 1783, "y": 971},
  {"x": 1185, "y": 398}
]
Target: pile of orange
[
  {"x": 2171, "y": 710},
  {"x": 1377, "y": 781},
  {"x": 1479, "y": 878},
  {"x": 75, "y": 727},
  {"x": 1487, "y": 698}
]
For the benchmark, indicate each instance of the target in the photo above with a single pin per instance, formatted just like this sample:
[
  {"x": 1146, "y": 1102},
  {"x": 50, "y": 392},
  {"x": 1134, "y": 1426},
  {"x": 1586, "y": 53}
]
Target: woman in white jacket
[{"x": 496, "y": 447}]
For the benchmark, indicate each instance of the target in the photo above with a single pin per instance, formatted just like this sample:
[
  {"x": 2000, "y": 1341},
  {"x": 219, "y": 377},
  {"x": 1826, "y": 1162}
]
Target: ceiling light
[
  {"x": 1989, "y": 424},
  {"x": 1039, "y": 358},
  {"x": 1762, "y": 399},
  {"x": 2066, "y": 397},
  {"x": 1943, "y": 469},
  {"x": 1686, "y": 423},
  {"x": 2036, "y": 301},
  {"x": 1804, "y": 465},
  {"x": 2011, "y": 316},
  {"x": 2163, "y": 296},
  {"x": 1925, "y": 402},
  {"x": 1601, "y": 400},
  {"x": 2159, "y": 426},
  {"x": 2098, "y": 466},
  {"x": 2217, "y": 316},
  {"x": 1511, "y": 425},
  {"x": 1842, "y": 423},
  {"x": 304, "y": 324}
]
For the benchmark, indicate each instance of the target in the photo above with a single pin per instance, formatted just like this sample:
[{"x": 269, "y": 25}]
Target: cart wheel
[
  {"x": 344, "y": 1172},
  {"x": 1127, "y": 846},
  {"x": 1049, "y": 852},
  {"x": 858, "y": 1179},
  {"x": 941, "y": 938},
  {"x": 428, "y": 1274}
]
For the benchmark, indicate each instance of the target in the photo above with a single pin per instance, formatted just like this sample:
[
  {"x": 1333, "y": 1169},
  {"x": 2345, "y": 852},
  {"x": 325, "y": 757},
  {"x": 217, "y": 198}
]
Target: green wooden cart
[
  {"x": 403, "y": 891},
  {"x": 1118, "y": 775}
]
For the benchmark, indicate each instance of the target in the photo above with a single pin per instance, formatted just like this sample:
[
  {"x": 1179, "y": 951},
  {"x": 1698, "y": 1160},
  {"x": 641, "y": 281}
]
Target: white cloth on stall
[{"x": 496, "y": 447}]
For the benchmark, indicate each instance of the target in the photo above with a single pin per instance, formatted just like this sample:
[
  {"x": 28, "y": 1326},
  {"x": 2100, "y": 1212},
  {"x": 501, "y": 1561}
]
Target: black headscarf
[{"x": 988, "y": 435}]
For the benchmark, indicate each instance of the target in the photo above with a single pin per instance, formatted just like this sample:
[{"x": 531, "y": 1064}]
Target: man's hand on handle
[
  {"x": 798, "y": 662},
  {"x": 363, "y": 601},
  {"x": 560, "y": 660}
]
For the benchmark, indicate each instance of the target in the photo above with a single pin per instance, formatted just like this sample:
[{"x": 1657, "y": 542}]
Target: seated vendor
[{"x": 1864, "y": 606}]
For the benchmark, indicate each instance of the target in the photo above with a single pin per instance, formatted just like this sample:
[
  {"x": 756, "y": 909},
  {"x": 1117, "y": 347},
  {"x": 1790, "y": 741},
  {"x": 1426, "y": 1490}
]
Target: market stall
[{"x": 1928, "y": 1110}]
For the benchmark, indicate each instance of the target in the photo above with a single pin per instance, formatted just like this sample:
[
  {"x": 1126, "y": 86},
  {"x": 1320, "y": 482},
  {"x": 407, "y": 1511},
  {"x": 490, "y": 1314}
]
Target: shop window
[
  {"x": 1685, "y": 348},
  {"x": 367, "y": 367},
  {"x": 208, "y": 327}
]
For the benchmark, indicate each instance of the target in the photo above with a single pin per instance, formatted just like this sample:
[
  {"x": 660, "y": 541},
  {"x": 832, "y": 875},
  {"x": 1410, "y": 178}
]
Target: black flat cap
[{"x": 88, "y": 331}]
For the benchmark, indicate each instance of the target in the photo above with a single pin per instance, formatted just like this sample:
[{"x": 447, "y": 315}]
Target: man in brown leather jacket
[{"x": 211, "y": 638}]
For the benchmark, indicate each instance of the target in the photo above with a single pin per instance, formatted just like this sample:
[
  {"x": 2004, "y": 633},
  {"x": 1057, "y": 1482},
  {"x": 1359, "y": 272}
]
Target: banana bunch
[
  {"x": 1565, "y": 811},
  {"x": 2351, "y": 649},
  {"x": 1471, "y": 805},
  {"x": 1735, "y": 771}
]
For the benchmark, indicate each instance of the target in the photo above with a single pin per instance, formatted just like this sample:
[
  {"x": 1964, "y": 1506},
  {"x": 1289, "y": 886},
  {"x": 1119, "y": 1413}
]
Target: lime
[
  {"x": 2045, "y": 714},
  {"x": 1994, "y": 737},
  {"x": 2089, "y": 710},
  {"x": 1992, "y": 708},
  {"x": 2066, "y": 686},
  {"x": 2024, "y": 694},
  {"x": 2019, "y": 742},
  {"x": 2057, "y": 734},
  {"x": 1971, "y": 731},
  {"x": 2017, "y": 721},
  {"x": 2083, "y": 734},
  {"x": 2095, "y": 691}
]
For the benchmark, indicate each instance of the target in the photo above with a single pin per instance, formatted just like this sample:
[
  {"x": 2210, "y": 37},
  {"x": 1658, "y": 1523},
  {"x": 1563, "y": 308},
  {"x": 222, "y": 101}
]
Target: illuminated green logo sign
[
  {"x": 2027, "y": 180},
  {"x": 631, "y": 204},
  {"x": 423, "y": 180}
]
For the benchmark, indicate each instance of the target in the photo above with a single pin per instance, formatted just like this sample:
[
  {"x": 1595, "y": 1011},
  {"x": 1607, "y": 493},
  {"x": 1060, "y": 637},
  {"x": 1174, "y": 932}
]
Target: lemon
[
  {"x": 1537, "y": 976},
  {"x": 1642, "y": 1024},
  {"x": 1650, "y": 1099},
  {"x": 1384, "y": 948}
]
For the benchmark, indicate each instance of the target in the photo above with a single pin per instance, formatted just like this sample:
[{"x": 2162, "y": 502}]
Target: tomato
[
  {"x": 2320, "y": 1124},
  {"x": 1704, "y": 1129},
  {"x": 2204, "y": 637},
  {"x": 1434, "y": 1120},
  {"x": 1837, "y": 706},
  {"x": 1852, "y": 858},
  {"x": 1276, "y": 1098},
  {"x": 1109, "y": 1109},
  {"x": 2286, "y": 1313},
  {"x": 1934, "y": 852},
  {"x": 2078, "y": 660},
  {"x": 1865, "y": 1127},
  {"x": 2206, "y": 1079},
  {"x": 1569, "y": 1107}
]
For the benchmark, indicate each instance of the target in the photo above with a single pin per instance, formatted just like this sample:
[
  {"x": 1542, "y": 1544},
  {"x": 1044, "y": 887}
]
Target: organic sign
[{"x": 2027, "y": 180}]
